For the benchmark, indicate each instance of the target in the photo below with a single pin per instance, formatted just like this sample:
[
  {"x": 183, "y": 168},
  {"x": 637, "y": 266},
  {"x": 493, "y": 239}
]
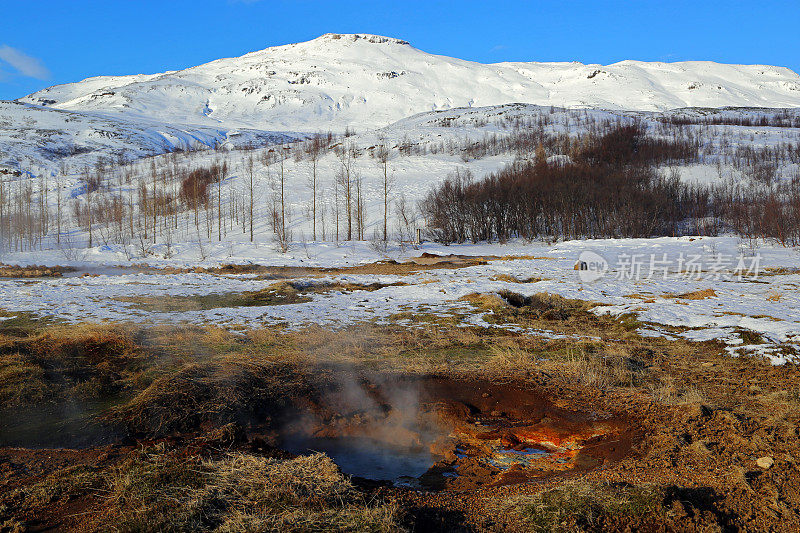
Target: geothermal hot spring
[
  {"x": 440, "y": 433},
  {"x": 421, "y": 432}
]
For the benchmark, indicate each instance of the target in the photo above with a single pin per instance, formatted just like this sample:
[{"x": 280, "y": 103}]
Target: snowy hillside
[
  {"x": 37, "y": 138},
  {"x": 367, "y": 81},
  {"x": 422, "y": 151}
]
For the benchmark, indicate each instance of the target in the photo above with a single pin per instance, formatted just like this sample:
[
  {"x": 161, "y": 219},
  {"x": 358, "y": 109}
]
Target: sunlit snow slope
[
  {"x": 34, "y": 137},
  {"x": 367, "y": 81}
]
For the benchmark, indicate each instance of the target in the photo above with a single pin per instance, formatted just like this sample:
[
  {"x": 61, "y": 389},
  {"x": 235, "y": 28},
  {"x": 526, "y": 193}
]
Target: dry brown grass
[
  {"x": 239, "y": 378},
  {"x": 418, "y": 264},
  {"x": 160, "y": 491},
  {"x": 200, "y": 379},
  {"x": 648, "y": 299},
  {"x": 432, "y": 347},
  {"x": 61, "y": 483},
  {"x": 175, "y": 379},
  {"x": 504, "y": 277},
  {"x": 778, "y": 271},
  {"x": 560, "y": 308},
  {"x": 213, "y": 392},
  {"x": 33, "y": 271},
  {"x": 22, "y": 382},
  {"x": 523, "y": 257},
  {"x": 234, "y": 376},
  {"x": 584, "y": 506},
  {"x": 23, "y": 324},
  {"x": 695, "y": 295},
  {"x": 63, "y": 361},
  {"x": 670, "y": 390},
  {"x": 485, "y": 301},
  {"x": 551, "y": 312},
  {"x": 782, "y": 404},
  {"x": 579, "y": 363},
  {"x": 511, "y": 279}
]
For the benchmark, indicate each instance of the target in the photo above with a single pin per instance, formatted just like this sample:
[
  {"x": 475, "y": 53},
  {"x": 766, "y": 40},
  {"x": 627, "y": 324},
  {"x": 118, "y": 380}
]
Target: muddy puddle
[{"x": 443, "y": 434}]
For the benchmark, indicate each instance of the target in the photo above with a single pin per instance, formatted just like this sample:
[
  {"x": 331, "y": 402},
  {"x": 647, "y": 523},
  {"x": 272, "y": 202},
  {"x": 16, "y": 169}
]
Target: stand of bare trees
[
  {"x": 575, "y": 175},
  {"x": 609, "y": 188}
]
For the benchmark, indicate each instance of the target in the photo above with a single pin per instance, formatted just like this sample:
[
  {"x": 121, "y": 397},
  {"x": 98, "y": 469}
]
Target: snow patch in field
[{"x": 737, "y": 306}]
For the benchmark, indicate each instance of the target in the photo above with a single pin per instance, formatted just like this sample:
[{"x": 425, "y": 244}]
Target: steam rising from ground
[{"x": 373, "y": 425}]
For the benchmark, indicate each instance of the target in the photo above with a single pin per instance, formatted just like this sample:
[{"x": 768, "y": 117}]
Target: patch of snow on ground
[{"x": 768, "y": 305}]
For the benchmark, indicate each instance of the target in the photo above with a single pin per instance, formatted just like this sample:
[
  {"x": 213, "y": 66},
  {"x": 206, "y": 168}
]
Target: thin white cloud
[{"x": 24, "y": 64}]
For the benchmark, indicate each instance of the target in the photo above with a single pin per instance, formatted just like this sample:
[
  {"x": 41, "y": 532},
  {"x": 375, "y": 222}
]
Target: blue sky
[{"x": 45, "y": 42}]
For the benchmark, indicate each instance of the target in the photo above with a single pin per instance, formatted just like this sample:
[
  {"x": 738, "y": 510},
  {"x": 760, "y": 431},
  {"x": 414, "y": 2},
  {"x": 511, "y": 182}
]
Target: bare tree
[
  {"x": 220, "y": 176},
  {"x": 251, "y": 179},
  {"x": 313, "y": 150},
  {"x": 346, "y": 152},
  {"x": 283, "y": 155},
  {"x": 336, "y": 196},
  {"x": 358, "y": 182},
  {"x": 383, "y": 154},
  {"x": 59, "y": 178},
  {"x": 90, "y": 187},
  {"x": 406, "y": 219},
  {"x": 154, "y": 197}
]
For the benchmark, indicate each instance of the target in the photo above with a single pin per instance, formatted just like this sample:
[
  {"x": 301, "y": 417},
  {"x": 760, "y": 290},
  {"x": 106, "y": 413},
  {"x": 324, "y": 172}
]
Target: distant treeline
[
  {"x": 782, "y": 119},
  {"x": 761, "y": 211},
  {"x": 609, "y": 187}
]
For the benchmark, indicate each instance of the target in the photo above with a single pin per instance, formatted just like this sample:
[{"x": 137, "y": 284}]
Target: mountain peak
[{"x": 353, "y": 37}]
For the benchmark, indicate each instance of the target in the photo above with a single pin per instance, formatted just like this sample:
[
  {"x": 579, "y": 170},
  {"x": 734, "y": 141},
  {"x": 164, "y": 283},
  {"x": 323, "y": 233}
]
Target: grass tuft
[
  {"x": 577, "y": 506},
  {"x": 156, "y": 491}
]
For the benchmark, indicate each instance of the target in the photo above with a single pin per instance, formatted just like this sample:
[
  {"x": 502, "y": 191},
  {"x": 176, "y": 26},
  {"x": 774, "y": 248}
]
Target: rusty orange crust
[{"x": 546, "y": 437}]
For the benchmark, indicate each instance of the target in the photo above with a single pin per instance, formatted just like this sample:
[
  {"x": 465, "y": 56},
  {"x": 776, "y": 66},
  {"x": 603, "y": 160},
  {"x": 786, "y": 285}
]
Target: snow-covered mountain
[
  {"x": 338, "y": 81},
  {"x": 368, "y": 81}
]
